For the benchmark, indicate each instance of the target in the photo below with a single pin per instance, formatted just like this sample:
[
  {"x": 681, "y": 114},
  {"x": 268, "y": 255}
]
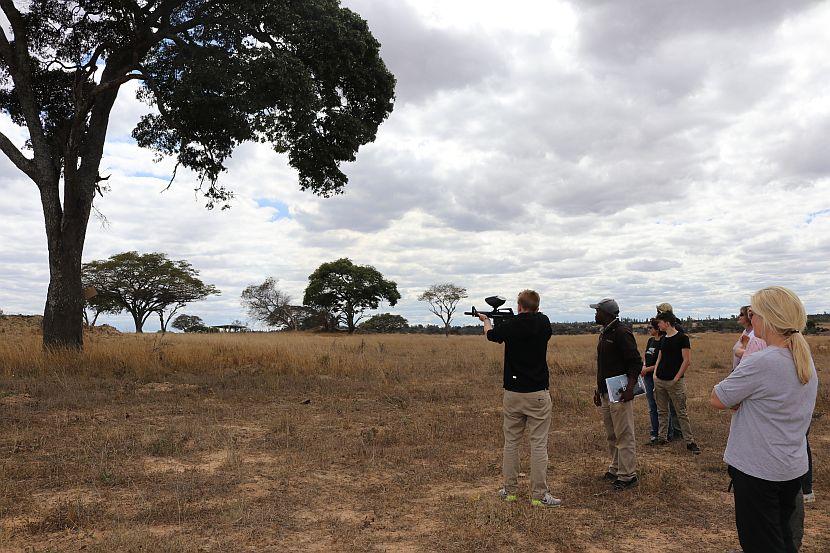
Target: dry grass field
[{"x": 280, "y": 442}]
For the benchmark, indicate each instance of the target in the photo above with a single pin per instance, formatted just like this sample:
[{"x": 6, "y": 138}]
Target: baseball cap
[
  {"x": 665, "y": 307},
  {"x": 608, "y": 305}
]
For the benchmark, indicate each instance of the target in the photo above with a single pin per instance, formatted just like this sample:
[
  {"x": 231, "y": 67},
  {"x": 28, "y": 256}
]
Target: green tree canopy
[
  {"x": 304, "y": 76},
  {"x": 186, "y": 322},
  {"x": 384, "y": 323},
  {"x": 143, "y": 284},
  {"x": 345, "y": 290}
]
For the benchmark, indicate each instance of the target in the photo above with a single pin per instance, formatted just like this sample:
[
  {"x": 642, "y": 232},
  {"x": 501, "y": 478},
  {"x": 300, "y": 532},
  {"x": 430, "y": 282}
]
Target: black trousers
[
  {"x": 762, "y": 512},
  {"x": 807, "y": 479}
]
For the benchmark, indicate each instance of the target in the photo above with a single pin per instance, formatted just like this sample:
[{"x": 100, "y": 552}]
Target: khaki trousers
[
  {"x": 529, "y": 411},
  {"x": 618, "y": 419},
  {"x": 668, "y": 390}
]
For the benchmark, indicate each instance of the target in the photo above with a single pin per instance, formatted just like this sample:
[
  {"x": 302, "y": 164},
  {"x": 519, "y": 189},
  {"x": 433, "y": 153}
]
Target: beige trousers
[
  {"x": 618, "y": 419},
  {"x": 529, "y": 411},
  {"x": 668, "y": 390}
]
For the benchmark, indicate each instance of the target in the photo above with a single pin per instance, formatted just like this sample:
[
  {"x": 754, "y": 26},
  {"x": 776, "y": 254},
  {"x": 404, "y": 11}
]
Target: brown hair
[
  {"x": 529, "y": 300},
  {"x": 667, "y": 316},
  {"x": 745, "y": 311}
]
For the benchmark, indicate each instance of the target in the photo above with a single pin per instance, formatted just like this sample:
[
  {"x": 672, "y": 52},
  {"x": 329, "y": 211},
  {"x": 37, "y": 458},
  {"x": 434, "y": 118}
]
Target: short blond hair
[{"x": 529, "y": 299}]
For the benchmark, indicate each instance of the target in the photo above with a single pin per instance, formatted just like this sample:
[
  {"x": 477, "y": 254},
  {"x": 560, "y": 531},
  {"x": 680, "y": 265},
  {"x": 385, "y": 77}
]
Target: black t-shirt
[
  {"x": 525, "y": 339},
  {"x": 672, "y": 355},
  {"x": 652, "y": 349}
]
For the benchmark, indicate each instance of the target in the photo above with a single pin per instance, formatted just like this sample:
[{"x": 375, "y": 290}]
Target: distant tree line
[{"x": 337, "y": 297}]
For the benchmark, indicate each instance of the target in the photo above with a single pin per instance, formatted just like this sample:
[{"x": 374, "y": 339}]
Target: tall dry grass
[{"x": 317, "y": 442}]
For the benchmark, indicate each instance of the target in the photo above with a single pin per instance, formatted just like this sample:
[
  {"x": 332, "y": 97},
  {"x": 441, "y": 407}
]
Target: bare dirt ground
[{"x": 320, "y": 443}]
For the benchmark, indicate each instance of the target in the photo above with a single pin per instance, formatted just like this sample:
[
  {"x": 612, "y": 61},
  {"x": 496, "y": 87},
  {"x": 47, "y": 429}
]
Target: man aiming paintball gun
[{"x": 526, "y": 400}]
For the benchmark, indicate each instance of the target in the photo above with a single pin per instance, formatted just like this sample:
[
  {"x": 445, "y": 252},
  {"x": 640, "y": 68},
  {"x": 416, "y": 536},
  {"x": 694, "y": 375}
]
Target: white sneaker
[
  {"x": 547, "y": 501},
  {"x": 810, "y": 497}
]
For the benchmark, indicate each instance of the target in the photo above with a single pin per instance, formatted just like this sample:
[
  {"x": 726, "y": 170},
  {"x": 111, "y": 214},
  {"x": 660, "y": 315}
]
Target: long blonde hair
[{"x": 784, "y": 313}]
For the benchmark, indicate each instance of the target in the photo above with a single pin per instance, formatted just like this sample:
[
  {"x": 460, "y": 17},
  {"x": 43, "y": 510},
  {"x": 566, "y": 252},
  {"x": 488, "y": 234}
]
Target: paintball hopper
[
  {"x": 495, "y": 301},
  {"x": 498, "y": 315}
]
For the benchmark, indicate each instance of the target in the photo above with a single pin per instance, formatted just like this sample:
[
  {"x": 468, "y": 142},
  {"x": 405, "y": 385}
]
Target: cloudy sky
[{"x": 649, "y": 151}]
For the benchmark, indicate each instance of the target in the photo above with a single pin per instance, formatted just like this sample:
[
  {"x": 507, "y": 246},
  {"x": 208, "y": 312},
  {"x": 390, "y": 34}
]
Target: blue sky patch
[
  {"x": 150, "y": 175},
  {"x": 280, "y": 207},
  {"x": 816, "y": 214}
]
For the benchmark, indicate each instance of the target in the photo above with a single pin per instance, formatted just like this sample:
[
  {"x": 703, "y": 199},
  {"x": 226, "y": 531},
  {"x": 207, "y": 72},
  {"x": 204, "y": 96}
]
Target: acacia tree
[
  {"x": 143, "y": 284},
  {"x": 305, "y": 76},
  {"x": 345, "y": 290},
  {"x": 443, "y": 301}
]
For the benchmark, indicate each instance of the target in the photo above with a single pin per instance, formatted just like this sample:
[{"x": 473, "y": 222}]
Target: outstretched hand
[{"x": 482, "y": 317}]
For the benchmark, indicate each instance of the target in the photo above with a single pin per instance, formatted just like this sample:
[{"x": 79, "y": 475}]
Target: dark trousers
[
  {"x": 762, "y": 512},
  {"x": 807, "y": 479}
]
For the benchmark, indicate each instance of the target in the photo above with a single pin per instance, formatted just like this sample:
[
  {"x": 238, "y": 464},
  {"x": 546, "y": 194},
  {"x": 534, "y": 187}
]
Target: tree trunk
[
  {"x": 162, "y": 324},
  {"x": 139, "y": 324},
  {"x": 66, "y": 221},
  {"x": 63, "y": 316},
  {"x": 447, "y": 329}
]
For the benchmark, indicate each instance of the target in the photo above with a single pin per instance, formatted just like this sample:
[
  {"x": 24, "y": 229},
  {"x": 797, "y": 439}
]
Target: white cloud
[{"x": 670, "y": 152}]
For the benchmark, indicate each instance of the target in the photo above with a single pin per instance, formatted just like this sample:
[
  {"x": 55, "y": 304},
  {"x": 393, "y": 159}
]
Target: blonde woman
[{"x": 773, "y": 393}]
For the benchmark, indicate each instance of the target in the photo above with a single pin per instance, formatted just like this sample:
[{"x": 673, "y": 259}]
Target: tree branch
[
  {"x": 19, "y": 65},
  {"x": 12, "y": 13},
  {"x": 16, "y": 156},
  {"x": 115, "y": 83},
  {"x": 5, "y": 48}
]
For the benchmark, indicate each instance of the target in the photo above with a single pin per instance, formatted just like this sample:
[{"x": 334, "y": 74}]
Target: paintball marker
[{"x": 498, "y": 315}]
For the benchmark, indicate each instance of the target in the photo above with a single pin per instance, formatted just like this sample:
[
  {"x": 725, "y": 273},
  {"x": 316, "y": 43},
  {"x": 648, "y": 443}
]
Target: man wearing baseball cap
[{"x": 617, "y": 354}]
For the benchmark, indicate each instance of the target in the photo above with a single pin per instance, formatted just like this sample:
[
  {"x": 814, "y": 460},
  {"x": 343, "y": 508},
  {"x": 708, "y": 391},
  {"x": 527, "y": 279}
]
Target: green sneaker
[
  {"x": 547, "y": 501},
  {"x": 504, "y": 496}
]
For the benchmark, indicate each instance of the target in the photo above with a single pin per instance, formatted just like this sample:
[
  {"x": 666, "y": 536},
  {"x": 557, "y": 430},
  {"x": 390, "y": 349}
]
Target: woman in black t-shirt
[
  {"x": 669, "y": 385},
  {"x": 650, "y": 358}
]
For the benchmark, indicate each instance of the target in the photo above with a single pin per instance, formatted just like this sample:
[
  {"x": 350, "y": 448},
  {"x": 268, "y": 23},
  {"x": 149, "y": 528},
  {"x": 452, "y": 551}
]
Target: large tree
[
  {"x": 303, "y": 75},
  {"x": 345, "y": 290},
  {"x": 143, "y": 284},
  {"x": 443, "y": 301}
]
